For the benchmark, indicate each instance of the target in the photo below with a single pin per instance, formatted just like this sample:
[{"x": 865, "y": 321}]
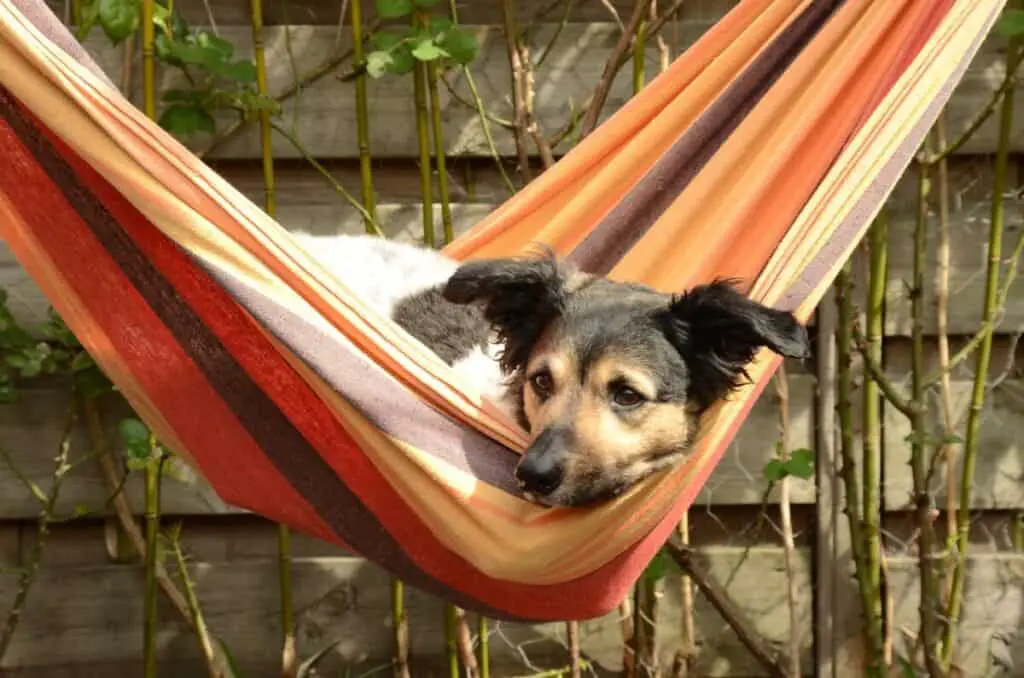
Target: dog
[{"x": 609, "y": 378}]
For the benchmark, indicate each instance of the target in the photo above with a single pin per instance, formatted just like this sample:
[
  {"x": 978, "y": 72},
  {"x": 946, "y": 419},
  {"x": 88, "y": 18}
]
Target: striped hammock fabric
[{"x": 762, "y": 153}]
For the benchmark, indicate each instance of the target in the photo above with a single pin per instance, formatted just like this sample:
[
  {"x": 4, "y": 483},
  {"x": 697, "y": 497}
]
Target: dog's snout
[{"x": 542, "y": 468}]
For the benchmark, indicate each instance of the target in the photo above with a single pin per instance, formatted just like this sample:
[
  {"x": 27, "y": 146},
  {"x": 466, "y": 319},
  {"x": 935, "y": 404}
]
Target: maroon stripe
[
  {"x": 387, "y": 405},
  {"x": 637, "y": 212},
  {"x": 279, "y": 440}
]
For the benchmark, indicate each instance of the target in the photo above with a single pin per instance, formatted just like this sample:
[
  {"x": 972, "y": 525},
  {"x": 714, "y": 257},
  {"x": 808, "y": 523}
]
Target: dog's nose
[{"x": 541, "y": 474}]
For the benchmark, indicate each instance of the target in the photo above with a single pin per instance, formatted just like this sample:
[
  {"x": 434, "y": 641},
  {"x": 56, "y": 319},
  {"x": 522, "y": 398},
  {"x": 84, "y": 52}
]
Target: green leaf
[
  {"x": 439, "y": 24},
  {"x": 240, "y": 71},
  {"x": 425, "y": 4},
  {"x": 135, "y": 436},
  {"x": 173, "y": 96},
  {"x": 215, "y": 44},
  {"x": 183, "y": 120},
  {"x": 775, "y": 470},
  {"x": 90, "y": 17},
  {"x": 402, "y": 61},
  {"x": 1011, "y": 23},
  {"x": 801, "y": 464},
  {"x": 92, "y": 383},
  {"x": 952, "y": 439},
  {"x": 119, "y": 18},
  {"x": 16, "y": 360},
  {"x": 426, "y": 50},
  {"x": 386, "y": 41},
  {"x": 377, "y": 63},
  {"x": 393, "y": 9},
  {"x": 460, "y": 45}
]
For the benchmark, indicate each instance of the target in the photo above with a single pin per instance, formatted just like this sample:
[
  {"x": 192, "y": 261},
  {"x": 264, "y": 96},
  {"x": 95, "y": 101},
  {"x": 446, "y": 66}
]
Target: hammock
[{"x": 762, "y": 153}]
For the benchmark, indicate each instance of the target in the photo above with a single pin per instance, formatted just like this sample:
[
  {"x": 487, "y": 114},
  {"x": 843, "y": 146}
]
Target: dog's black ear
[
  {"x": 718, "y": 330},
  {"x": 519, "y": 296}
]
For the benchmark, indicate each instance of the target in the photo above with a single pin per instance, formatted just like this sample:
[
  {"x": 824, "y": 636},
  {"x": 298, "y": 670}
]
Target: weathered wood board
[
  {"x": 324, "y": 114},
  {"x": 89, "y": 614},
  {"x": 86, "y": 612}
]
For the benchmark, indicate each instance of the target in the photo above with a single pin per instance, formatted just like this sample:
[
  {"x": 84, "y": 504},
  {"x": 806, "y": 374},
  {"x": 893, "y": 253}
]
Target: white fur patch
[{"x": 383, "y": 272}]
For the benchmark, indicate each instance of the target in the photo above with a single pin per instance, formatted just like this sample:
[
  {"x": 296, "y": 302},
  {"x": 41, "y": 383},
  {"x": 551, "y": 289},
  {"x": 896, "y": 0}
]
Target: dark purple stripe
[
  {"x": 277, "y": 437},
  {"x": 637, "y": 212},
  {"x": 387, "y": 404},
  {"x": 855, "y": 224}
]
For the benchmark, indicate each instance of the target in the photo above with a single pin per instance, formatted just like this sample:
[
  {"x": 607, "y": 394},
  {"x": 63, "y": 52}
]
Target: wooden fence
[{"x": 85, "y": 616}]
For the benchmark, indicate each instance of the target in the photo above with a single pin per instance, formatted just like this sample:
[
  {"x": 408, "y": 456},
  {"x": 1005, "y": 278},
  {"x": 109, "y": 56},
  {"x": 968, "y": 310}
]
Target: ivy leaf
[
  {"x": 135, "y": 436},
  {"x": 426, "y": 50},
  {"x": 460, "y": 45},
  {"x": 377, "y": 63},
  {"x": 212, "y": 43},
  {"x": 92, "y": 383},
  {"x": 240, "y": 71},
  {"x": 119, "y": 18},
  {"x": 774, "y": 470},
  {"x": 402, "y": 61},
  {"x": 173, "y": 96},
  {"x": 90, "y": 17},
  {"x": 183, "y": 120},
  {"x": 1011, "y": 23},
  {"x": 801, "y": 464},
  {"x": 385, "y": 41},
  {"x": 394, "y": 9},
  {"x": 439, "y": 24}
]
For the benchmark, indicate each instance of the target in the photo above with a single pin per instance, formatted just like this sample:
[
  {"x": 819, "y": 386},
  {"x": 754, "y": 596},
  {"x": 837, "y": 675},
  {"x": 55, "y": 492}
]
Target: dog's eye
[
  {"x": 624, "y": 396},
  {"x": 541, "y": 384}
]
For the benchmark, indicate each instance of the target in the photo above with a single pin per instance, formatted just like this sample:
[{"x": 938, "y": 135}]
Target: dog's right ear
[{"x": 519, "y": 296}]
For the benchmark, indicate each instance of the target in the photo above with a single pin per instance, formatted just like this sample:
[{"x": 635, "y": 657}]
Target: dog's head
[{"x": 613, "y": 377}]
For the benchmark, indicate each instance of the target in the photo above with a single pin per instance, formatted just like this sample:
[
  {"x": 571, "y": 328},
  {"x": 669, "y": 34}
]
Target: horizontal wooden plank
[
  {"x": 92, "y": 616},
  {"x": 226, "y": 12},
  {"x": 324, "y": 114}
]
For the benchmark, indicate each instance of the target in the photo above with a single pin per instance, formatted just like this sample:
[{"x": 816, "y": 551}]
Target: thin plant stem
[
  {"x": 686, "y": 660},
  {"x": 567, "y": 12},
  {"x": 926, "y": 552},
  {"x": 948, "y": 450},
  {"x": 572, "y": 631},
  {"x": 289, "y": 650},
  {"x": 639, "y": 57},
  {"x": 439, "y": 152},
  {"x": 871, "y": 515},
  {"x": 202, "y": 632},
  {"x": 451, "y": 644},
  {"x": 786, "y": 518},
  {"x": 401, "y": 622},
  {"x": 484, "y": 651},
  {"x": 148, "y": 61},
  {"x": 153, "y": 473},
  {"x": 983, "y": 357},
  {"x": 612, "y": 66},
  {"x": 695, "y": 565},
  {"x": 519, "y": 130},
  {"x": 43, "y": 522},
  {"x": 325, "y": 173},
  {"x": 848, "y": 470},
  {"x": 363, "y": 121},
  {"x": 423, "y": 137}
]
